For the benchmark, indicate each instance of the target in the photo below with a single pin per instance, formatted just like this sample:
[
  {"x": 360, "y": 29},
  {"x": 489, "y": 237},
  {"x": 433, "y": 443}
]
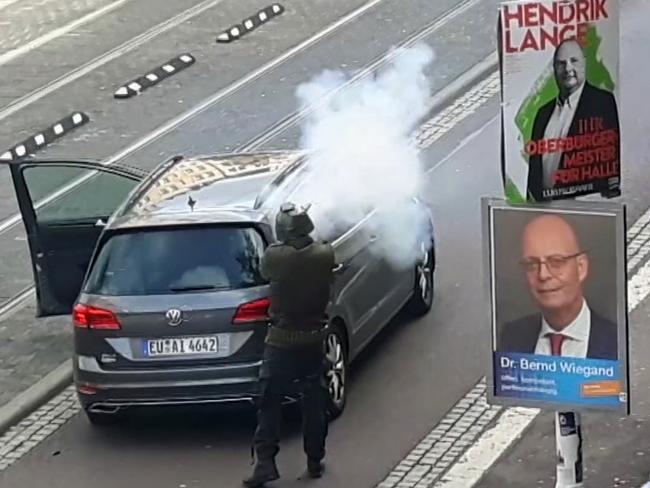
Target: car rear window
[{"x": 152, "y": 262}]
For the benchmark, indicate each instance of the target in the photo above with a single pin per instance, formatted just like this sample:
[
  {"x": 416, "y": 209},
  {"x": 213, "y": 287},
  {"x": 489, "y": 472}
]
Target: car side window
[
  {"x": 286, "y": 181},
  {"x": 98, "y": 194}
]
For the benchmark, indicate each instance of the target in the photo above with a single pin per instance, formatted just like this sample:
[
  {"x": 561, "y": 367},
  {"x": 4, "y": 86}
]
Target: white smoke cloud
[{"x": 361, "y": 155}]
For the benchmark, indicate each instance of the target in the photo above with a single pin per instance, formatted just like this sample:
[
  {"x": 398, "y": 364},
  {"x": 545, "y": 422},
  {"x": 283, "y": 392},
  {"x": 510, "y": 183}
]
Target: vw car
[{"x": 160, "y": 273}]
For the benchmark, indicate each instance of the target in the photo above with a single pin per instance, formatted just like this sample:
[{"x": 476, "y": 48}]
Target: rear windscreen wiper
[{"x": 197, "y": 288}]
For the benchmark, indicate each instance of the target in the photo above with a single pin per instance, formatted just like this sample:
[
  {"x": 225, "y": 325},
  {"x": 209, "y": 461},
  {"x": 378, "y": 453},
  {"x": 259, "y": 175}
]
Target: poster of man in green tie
[{"x": 558, "y": 301}]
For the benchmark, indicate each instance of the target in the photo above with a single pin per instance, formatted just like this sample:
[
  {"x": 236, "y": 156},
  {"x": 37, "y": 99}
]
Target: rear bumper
[{"x": 107, "y": 390}]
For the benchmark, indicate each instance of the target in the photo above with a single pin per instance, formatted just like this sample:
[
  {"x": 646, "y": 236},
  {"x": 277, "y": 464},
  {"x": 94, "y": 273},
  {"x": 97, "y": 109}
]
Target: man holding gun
[{"x": 300, "y": 272}]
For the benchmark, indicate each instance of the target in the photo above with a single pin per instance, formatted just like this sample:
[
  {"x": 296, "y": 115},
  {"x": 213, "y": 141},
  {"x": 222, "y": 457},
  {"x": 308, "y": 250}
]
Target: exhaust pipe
[{"x": 104, "y": 409}]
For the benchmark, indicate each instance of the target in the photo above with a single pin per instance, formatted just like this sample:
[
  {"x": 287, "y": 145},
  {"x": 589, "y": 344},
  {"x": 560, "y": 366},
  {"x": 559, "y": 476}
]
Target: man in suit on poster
[
  {"x": 579, "y": 108},
  {"x": 556, "y": 268}
]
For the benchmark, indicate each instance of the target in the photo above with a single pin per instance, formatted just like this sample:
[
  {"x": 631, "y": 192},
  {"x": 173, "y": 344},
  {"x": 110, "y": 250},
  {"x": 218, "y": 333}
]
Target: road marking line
[
  {"x": 50, "y": 36},
  {"x": 99, "y": 61},
  {"x": 465, "y": 473}
]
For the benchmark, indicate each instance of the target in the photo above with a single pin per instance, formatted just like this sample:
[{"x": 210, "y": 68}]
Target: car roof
[{"x": 219, "y": 188}]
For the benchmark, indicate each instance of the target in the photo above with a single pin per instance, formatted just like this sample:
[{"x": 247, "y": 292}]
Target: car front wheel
[{"x": 423, "y": 288}]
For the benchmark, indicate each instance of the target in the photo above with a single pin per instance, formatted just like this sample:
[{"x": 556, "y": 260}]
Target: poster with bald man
[
  {"x": 559, "y": 63},
  {"x": 558, "y": 303}
]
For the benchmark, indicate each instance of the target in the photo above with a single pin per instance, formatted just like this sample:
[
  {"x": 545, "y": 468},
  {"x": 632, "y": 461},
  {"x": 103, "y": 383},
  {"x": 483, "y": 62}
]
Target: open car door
[{"x": 65, "y": 206}]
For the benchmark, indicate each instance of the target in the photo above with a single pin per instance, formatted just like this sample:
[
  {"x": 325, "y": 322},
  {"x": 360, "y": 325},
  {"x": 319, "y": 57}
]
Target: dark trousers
[{"x": 287, "y": 371}]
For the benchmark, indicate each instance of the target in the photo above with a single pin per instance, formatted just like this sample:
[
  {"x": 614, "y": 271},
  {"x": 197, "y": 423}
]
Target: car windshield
[{"x": 152, "y": 262}]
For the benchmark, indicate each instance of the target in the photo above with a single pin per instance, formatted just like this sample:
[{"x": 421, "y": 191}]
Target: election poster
[
  {"x": 559, "y": 62},
  {"x": 556, "y": 283}
]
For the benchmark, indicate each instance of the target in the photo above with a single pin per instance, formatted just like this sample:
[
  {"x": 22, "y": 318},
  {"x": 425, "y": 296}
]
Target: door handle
[{"x": 339, "y": 267}]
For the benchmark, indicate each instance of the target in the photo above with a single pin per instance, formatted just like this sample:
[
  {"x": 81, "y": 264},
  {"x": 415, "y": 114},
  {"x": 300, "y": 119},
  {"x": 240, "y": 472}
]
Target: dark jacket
[
  {"x": 593, "y": 102},
  {"x": 520, "y": 336},
  {"x": 300, "y": 277}
]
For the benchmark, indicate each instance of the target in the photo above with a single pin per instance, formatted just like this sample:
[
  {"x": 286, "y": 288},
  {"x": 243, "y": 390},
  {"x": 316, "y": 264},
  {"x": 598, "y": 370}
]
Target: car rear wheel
[
  {"x": 336, "y": 374},
  {"x": 423, "y": 289}
]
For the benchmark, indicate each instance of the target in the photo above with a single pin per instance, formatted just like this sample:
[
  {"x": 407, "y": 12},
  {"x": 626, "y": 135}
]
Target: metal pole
[{"x": 568, "y": 441}]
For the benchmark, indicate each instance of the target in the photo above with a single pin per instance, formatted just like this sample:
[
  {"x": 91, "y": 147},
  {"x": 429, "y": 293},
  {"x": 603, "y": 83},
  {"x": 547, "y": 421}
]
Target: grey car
[{"x": 160, "y": 271}]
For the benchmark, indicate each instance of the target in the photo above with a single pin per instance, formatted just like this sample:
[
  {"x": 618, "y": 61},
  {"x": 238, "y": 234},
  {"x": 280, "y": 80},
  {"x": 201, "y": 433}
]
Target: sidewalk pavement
[
  {"x": 30, "y": 348},
  {"x": 616, "y": 451}
]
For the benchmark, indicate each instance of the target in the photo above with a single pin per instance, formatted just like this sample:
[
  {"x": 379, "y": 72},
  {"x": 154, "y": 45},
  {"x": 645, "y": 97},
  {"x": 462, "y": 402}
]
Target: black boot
[
  {"x": 265, "y": 471},
  {"x": 315, "y": 468}
]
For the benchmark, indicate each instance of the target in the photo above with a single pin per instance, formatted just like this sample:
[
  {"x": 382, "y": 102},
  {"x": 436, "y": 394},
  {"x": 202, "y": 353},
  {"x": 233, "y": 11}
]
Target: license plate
[{"x": 182, "y": 346}]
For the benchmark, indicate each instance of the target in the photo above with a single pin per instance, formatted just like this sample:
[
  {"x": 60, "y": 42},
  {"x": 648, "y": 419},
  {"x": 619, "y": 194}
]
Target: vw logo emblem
[{"x": 174, "y": 317}]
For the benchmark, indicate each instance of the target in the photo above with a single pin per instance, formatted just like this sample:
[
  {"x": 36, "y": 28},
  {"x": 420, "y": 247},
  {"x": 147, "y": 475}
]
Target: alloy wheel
[
  {"x": 424, "y": 273},
  {"x": 334, "y": 351}
]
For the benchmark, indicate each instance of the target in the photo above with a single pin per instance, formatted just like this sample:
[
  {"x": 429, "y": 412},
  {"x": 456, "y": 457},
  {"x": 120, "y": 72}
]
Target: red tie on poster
[{"x": 556, "y": 343}]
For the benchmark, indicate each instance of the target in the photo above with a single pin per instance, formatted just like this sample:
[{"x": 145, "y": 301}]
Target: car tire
[
  {"x": 424, "y": 284},
  {"x": 337, "y": 371}
]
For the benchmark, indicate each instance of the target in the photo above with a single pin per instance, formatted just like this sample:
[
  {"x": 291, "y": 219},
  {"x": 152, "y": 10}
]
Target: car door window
[
  {"x": 97, "y": 196},
  {"x": 61, "y": 203}
]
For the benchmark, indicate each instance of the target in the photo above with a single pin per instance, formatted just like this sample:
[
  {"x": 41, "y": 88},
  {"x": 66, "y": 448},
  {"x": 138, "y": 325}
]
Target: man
[
  {"x": 579, "y": 108},
  {"x": 556, "y": 269},
  {"x": 300, "y": 272}
]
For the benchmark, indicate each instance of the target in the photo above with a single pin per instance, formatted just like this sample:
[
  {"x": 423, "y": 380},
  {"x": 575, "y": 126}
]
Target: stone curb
[{"x": 36, "y": 395}]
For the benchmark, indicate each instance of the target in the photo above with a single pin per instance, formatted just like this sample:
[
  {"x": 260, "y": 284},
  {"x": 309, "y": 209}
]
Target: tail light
[
  {"x": 87, "y": 389},
  {"x": 255, "y": 311},
  {"x": 88, "y": 317}
]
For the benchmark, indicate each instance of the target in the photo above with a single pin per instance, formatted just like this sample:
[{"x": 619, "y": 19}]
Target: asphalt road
[{"x": 415, "y": 371}]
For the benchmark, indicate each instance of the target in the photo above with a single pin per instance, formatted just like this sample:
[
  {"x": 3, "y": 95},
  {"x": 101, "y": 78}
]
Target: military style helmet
[{"x": 292, "y": 222}]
